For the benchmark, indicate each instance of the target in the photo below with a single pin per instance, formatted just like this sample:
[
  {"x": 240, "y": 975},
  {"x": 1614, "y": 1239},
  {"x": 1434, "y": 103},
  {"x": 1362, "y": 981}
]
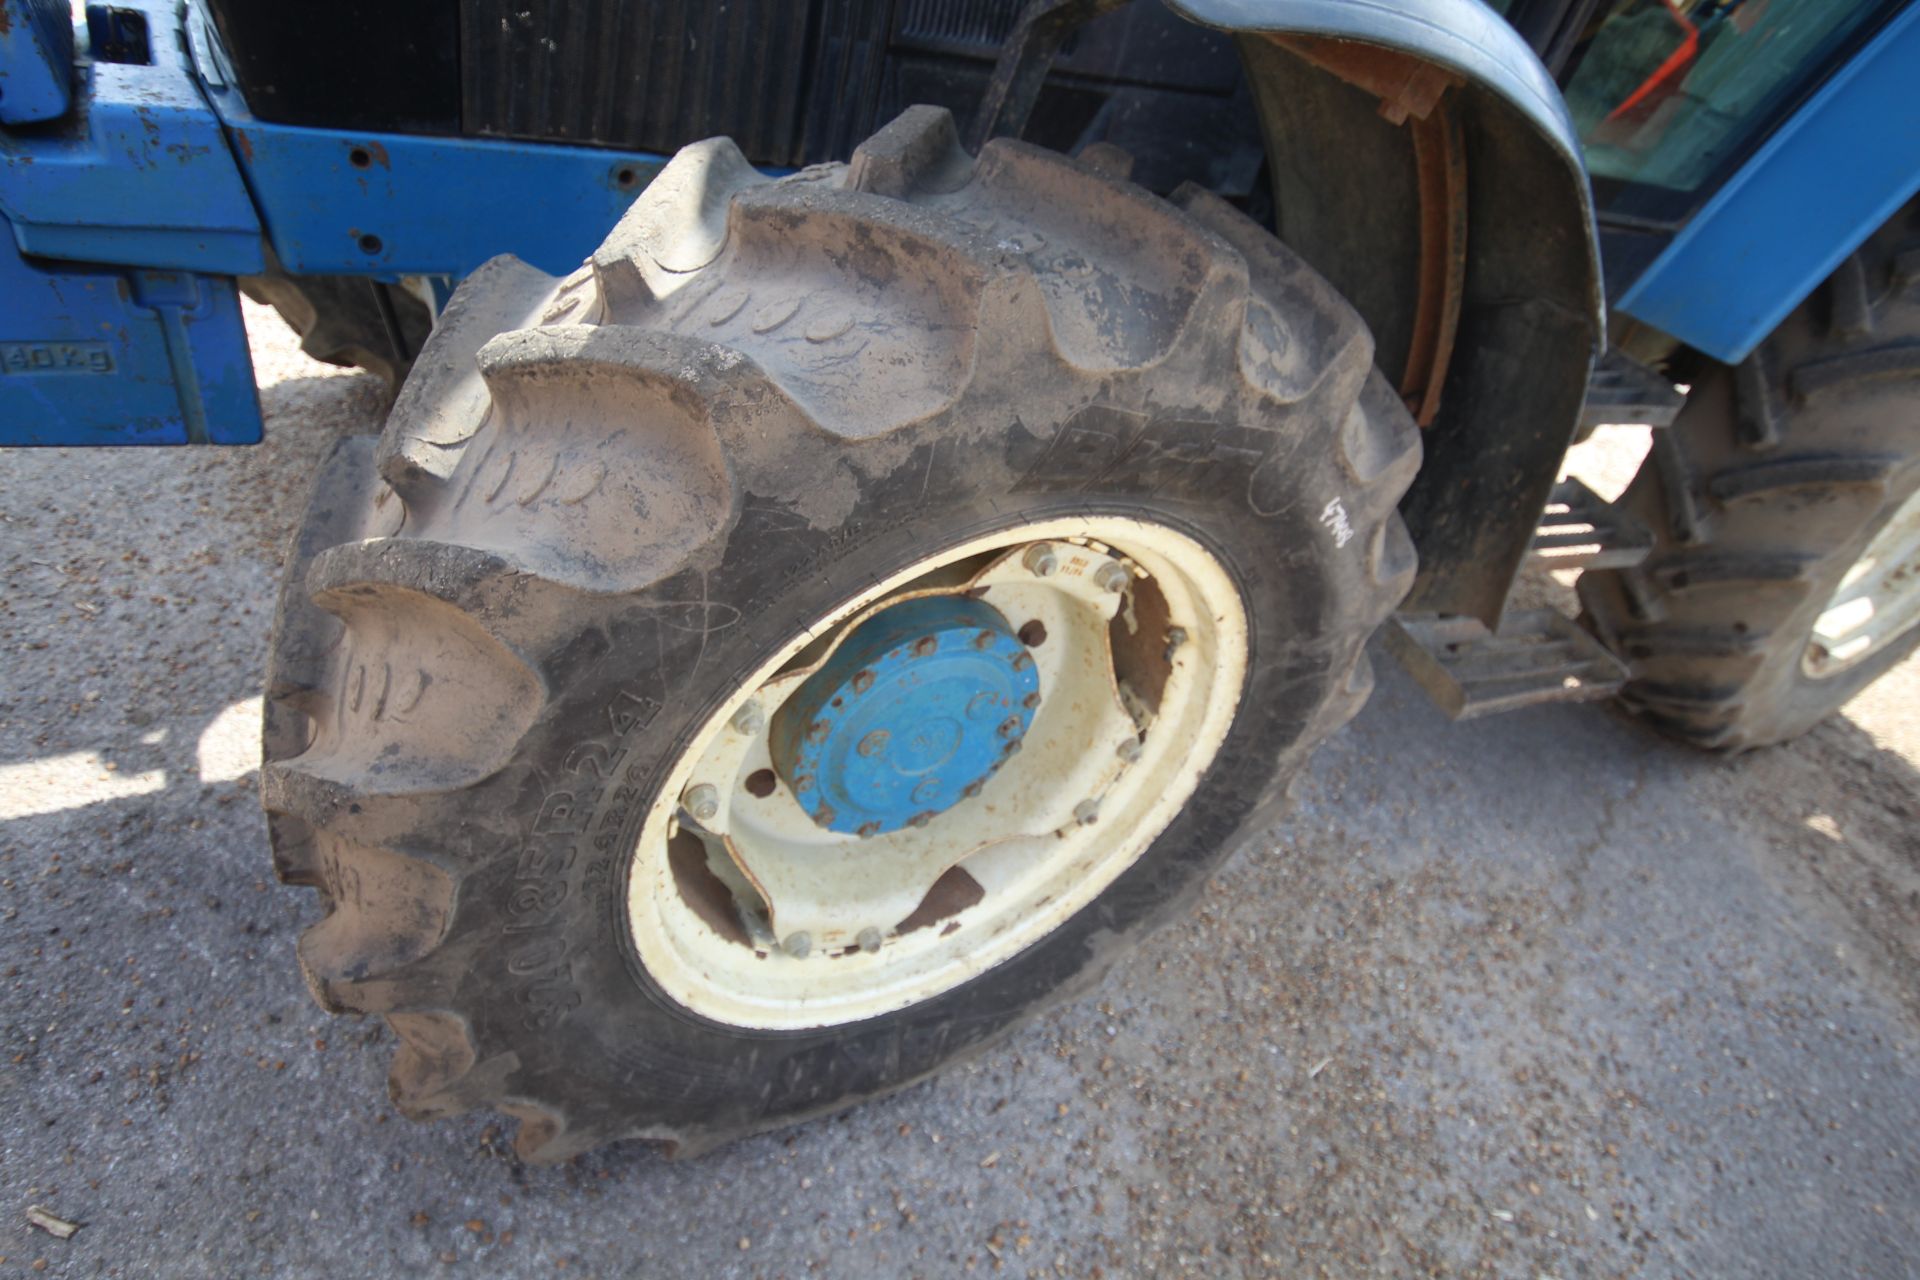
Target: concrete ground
[{"x": 1536, "y": 996}]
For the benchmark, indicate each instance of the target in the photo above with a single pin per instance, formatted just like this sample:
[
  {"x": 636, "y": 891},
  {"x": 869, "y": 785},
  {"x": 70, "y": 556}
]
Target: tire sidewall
[{"x": 552, "y": 947}]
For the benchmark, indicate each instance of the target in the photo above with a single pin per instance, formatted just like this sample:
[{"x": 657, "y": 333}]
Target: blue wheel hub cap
[{"x": 911, "y": 713}]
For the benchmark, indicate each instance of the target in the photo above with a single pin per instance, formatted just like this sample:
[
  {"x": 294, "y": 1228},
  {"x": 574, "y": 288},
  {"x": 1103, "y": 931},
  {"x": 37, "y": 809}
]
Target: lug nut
[
  {"x": 824, "y": 816},
  {"x": 1031, "y": 701},
  {"x": 798, "y": 944},
  {"x": 1021, "y": 661},
  {"x": 1128, "y": 750},
  {"x": 920, "y": 819},
  {"x": 747, "y": 719},
  {"x": 868, "y": 829},
  {"x": 1086, "y": 812},
  {"x": 1113, "y": 576},
  {"x": 703, "y": 802},
  {"x": 862, "y": 681},
  {"x": 1040, "y": 560},
  {"x": 869, "y": 940},
  {"x": 874, "y": 743},
  {"x": 1011, "y": 727},
  {"x": 924, "y": 646},
  {"x": 972, "y": 789}
]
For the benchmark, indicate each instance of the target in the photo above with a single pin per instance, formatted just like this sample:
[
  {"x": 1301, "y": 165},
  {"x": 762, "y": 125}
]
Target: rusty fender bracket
[{"x": 1422, "y": 160}]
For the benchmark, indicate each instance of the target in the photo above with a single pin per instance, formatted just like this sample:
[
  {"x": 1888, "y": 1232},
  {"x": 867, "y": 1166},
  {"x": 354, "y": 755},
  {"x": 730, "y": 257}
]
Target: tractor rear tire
[
  {"x": 602, "y": 503},
  {"x": 1781, "y": 477}
]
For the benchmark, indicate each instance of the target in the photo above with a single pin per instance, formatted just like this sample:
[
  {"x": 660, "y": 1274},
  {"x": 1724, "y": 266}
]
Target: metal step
[
  {"x": 1536, "y": 656},
  {"x": 1621, "y": 389},
  {"x": 1582, "y": 530}
]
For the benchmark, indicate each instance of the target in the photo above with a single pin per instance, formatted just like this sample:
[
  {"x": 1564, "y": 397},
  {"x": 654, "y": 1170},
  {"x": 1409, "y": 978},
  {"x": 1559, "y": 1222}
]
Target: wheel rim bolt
[
  {"x": 798, "y": 944},
  {"x": 824, "y": 816},
  {"x": 747, "y": 719},
  {"x": 703, "y": 802},
  {"x": 1086, "y": 812},
  {"x": 1040, "y": 560},
  {"x": 869, "y": 940},
  {"x": 1113, "y": 576},
  {"x": 1128, "y": 750}
]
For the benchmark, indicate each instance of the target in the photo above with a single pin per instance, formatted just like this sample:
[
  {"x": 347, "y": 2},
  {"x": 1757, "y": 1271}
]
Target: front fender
[{"x": 1423, "y": 161}]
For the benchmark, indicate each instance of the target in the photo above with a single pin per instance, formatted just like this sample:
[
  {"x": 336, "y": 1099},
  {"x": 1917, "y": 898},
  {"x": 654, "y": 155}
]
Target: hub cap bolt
[
  {"x": 1128, "y": 750},
  {"x": 1113, "y": 576},
  {"x": 703, "y": 802},
  {"x": 869, "y": 940},
  {"x": 748, "y": 719},
  {"x": 798, "y": 944},
  {"x": 1040, "y": 560},
  {"x": 1086, "y": 812}
]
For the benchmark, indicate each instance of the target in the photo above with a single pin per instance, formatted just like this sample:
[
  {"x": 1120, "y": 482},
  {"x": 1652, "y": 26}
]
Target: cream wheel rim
[
  {"x": 745, "y": 910},
  {"x": 1876, "y": 603}
]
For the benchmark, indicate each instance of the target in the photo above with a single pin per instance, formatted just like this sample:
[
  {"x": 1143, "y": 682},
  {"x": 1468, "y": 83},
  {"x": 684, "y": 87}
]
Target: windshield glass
[{"x": 1667, "y": 94}]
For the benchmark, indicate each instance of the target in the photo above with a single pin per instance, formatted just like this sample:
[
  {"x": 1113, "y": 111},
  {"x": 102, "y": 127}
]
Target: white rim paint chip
[{"x": 765, "y": 920}]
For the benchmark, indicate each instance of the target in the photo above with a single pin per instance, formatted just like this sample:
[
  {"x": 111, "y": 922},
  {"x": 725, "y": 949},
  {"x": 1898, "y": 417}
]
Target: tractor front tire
[
  {"x": 615, "y": 518},
  {"x": 1785, "y": 507},
  {"x": 347, "y": 320}
]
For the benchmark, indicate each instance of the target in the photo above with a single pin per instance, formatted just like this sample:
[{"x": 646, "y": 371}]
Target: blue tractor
[{"x": 882, "y": 495}]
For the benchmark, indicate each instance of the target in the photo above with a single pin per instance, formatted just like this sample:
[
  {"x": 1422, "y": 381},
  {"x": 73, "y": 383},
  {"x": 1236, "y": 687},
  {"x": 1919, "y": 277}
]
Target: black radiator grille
[
  {"x": 969, "y": 24},
  {"x": 648, "y": 74}
]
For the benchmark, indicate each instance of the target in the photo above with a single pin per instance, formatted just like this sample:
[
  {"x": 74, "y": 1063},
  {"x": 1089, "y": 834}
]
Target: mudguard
[{"x": 1423, "y": 161}]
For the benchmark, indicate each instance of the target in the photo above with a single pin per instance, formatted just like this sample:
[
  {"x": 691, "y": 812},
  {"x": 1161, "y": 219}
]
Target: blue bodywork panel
[
  {"x": 908, "y": 717},
  {"x": 393, "y": 204},
  {"x": 36, "y": 60},
  {"x": 127, "y": 218},
  {"x": 1811, "y": 195},
  {"x": 99, "y": 355},
  {"x": 138, "y": 174}
]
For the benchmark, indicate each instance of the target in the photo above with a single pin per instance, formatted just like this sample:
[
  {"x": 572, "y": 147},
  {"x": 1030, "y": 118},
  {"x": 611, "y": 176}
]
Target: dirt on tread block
[
  {"x": 1761, "y": 496},
  {"x": 618, "y": 487}
]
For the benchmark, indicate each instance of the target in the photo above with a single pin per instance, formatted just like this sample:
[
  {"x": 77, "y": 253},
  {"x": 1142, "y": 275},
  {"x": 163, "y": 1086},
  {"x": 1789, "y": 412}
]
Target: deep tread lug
[{"x": 1829, "y": 398}]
